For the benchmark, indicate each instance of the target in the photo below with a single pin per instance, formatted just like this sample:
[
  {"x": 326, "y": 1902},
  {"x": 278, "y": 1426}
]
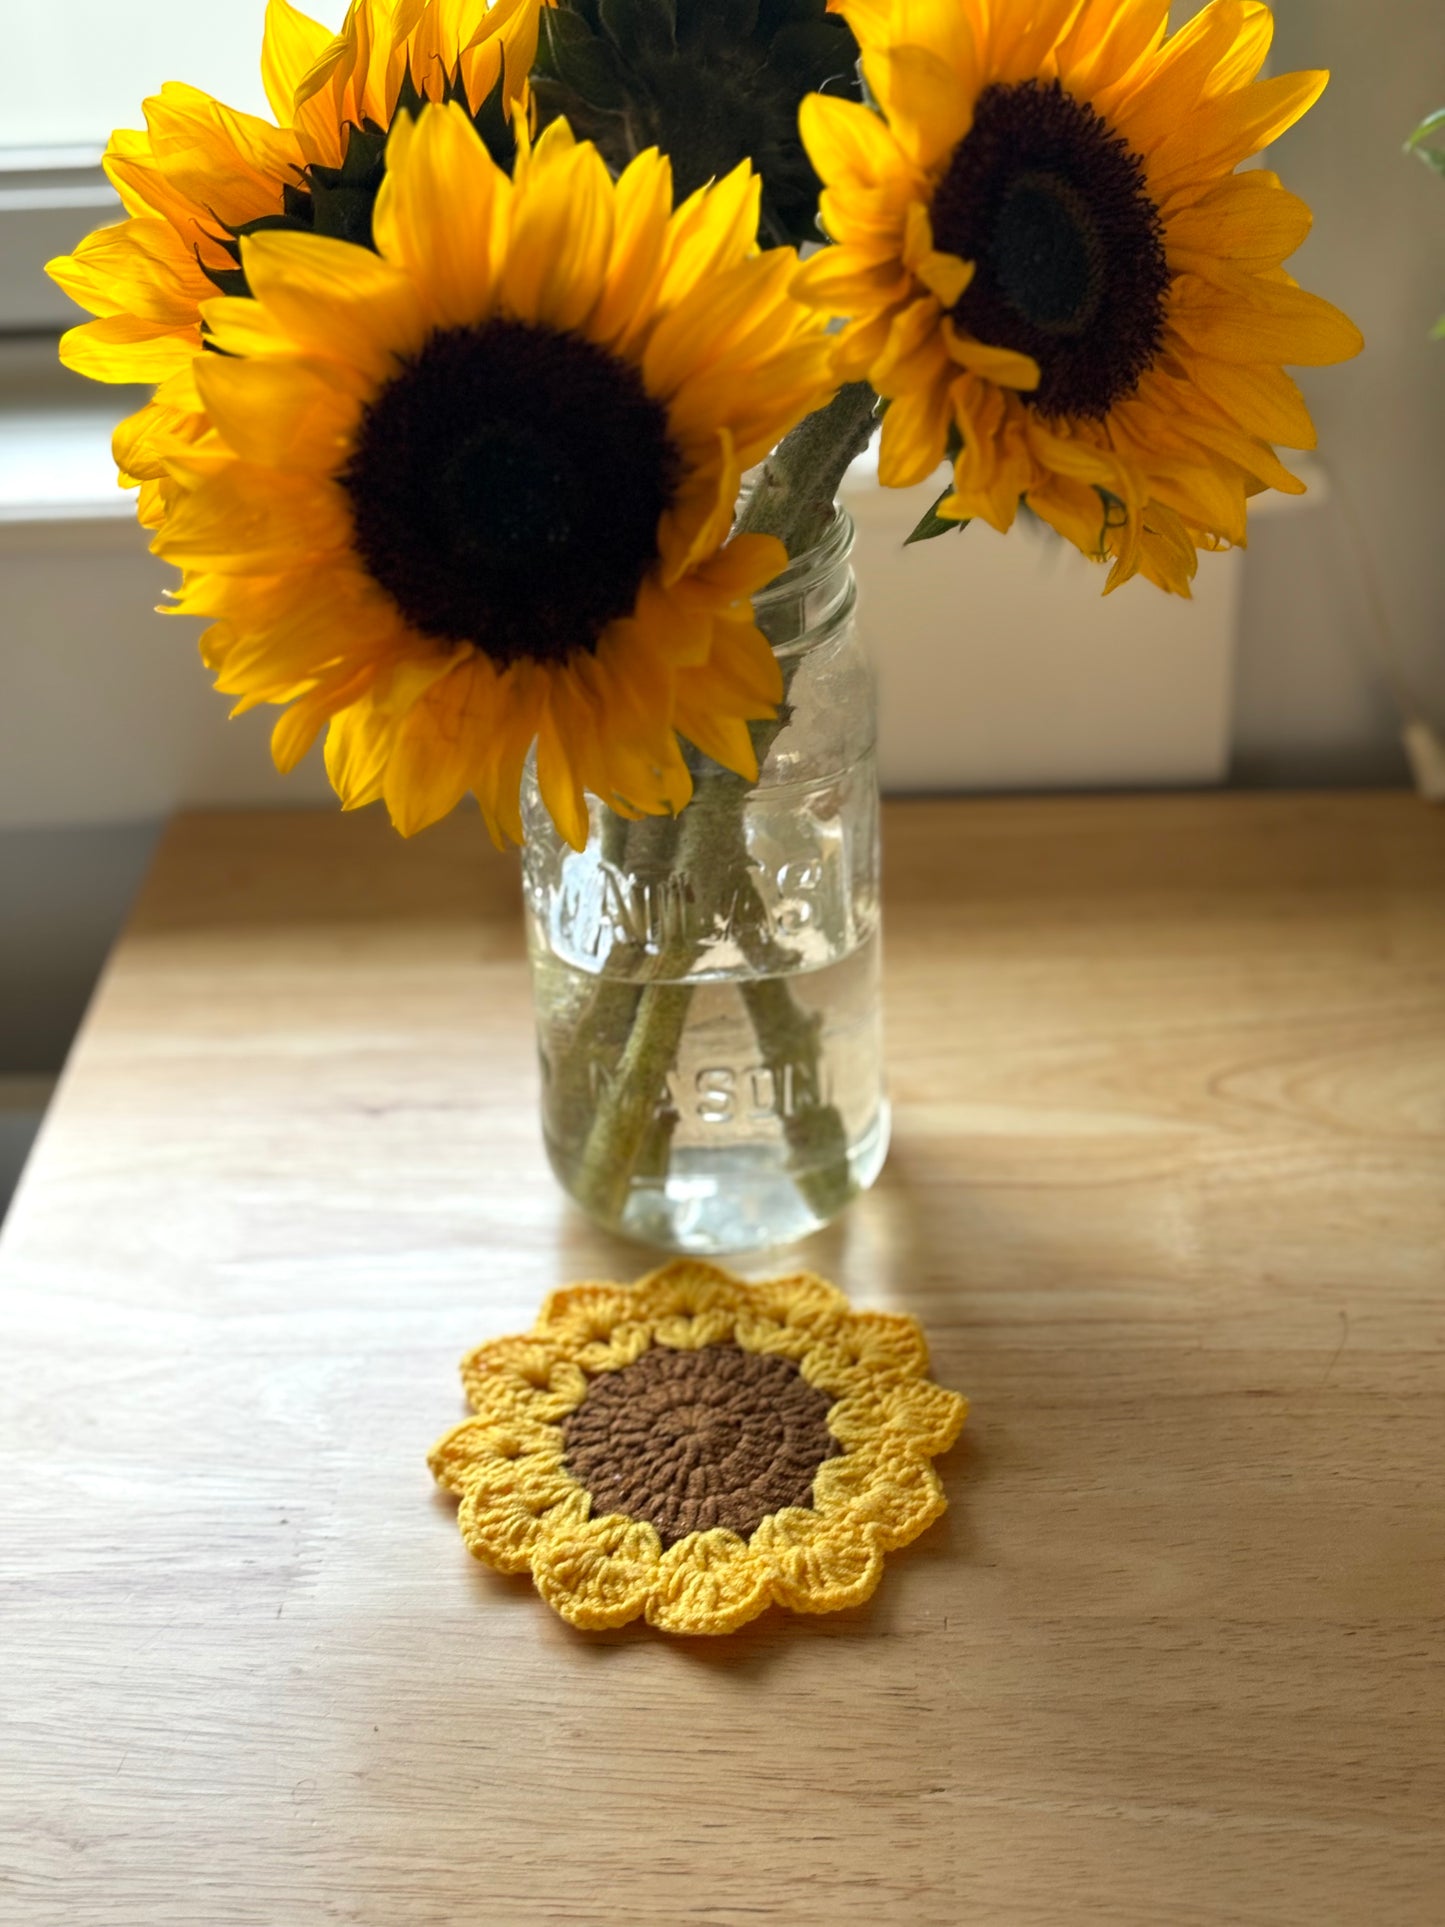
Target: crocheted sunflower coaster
[{"x": 696, "y": 1449}]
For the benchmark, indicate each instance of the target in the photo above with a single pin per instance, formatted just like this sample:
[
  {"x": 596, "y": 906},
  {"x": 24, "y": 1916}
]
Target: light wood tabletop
[{"x": 1168, "y": 1192}]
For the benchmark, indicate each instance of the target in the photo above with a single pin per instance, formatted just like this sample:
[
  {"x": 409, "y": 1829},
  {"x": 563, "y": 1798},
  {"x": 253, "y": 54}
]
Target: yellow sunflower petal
[
  {"x": 505, "y": 32},
  {"x": 245, "y": 519},
  {"x": 1004, "y": 367},
  {"x": 557, "y": 774},
  {"x": 281, "y": 413},
  {"x": 516, "y": 1447},
  {"x": 1264, "y": 401},
  {"x": 944, "y": 275},
  {"x": 561, "y": 243},
  {"x": 697, "y": 525},
  {"x": 928, "y": 103},
  {"x": 714, "y": 229},
  {"x": 125, "y": 347},
  {"x": 440, "y": 746},
  {"x": 839, "y": 281},
  {"x": 1248, "y": 221},
  {"x": 334, "y": 298},
  {"x": 138, "y": 267},
  {"x": 1289, "y": 325},
  {"x": 643, "y": 209},
  {"x": 1167, "y": 555},
  {"x": 519, "y": 699},
  {"x": 1023, "y": 39},
  {"x": 302, "y": 723},
  {"x": 1102, "y": 56},
  {"x": 588, "y": 1312},
  {"x": 1221, "y": 49},
  {"x": 1074, "y": 510},
  {"x": 436, "y": 216},
  {"x": 915, "y": 434},
  {"x": 292, "y": 43},
  {"x": 1220, "y": 133},
  {"x": 358, "y": 744},
  {"x": 847, "y": 142}
]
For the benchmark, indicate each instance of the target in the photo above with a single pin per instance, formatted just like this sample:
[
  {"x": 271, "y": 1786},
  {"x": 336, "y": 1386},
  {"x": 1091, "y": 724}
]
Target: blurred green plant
[{"x": 1428, "y": 144}]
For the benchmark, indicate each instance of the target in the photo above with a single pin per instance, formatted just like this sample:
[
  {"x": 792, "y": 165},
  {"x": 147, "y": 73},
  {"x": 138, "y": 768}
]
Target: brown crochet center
[{"x": 692, "y": 1440}]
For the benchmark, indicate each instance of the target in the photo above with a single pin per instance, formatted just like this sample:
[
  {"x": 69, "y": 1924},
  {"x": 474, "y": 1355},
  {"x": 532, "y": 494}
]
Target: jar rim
[{"x": 809, "y": 568}]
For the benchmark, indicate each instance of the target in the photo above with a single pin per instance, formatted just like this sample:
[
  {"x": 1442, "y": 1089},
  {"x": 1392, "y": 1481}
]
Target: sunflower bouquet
[{"x": 498, "y": 378}]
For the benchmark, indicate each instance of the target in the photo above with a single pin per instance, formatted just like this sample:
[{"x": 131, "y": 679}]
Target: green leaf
[
  {"x": 580, "y": 61},
  {"x": 933, "y": 523},
  {"x": 559, "y": 31},
  {"x": 1437, "y": 333},
  {"x": 1419, "y": 141}
]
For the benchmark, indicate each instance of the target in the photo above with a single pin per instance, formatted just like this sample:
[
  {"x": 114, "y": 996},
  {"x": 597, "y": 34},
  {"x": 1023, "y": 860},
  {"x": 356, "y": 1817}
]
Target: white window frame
[{"x": 49, "y": 198}]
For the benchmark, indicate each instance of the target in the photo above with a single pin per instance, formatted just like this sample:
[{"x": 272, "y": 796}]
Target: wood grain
[{"x": 1169, "y": 1193}]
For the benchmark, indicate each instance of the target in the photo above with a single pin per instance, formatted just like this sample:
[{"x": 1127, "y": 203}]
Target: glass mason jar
[{"x": 707, "y": 987}]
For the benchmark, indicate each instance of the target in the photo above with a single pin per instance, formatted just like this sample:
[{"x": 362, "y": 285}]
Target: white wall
[{"x": 1310, "y": 705}]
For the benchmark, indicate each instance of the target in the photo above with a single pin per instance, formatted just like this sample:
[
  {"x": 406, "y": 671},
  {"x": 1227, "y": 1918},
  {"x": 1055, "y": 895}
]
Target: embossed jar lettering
[{"x": 707, "y": 988}]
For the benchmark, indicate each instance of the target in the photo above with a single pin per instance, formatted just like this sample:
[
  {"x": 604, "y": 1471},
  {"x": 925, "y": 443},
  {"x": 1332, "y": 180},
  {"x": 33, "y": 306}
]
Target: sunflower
[
  {"x": 474, "y": 489},
  {"x": 709, "y": 84},
  {"x": 1052, "y": 272},
  {"x": 694, "y": 1449},
  {"x": 201, "y": 176}
]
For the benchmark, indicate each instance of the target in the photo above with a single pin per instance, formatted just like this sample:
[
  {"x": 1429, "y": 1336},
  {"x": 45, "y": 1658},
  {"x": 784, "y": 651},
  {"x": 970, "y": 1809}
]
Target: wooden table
[{"x": 1168, "y": 1190}]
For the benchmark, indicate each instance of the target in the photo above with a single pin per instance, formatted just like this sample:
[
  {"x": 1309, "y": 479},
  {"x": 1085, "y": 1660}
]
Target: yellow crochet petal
[
  {"x": 531, "y": 1375},
  {"x": 819, "y": 1565},
  {"x": 598, "y": 1325},
  {"x": 511, "y": 1481},
  {"x": 800, "y": 1300},
  {"x": 597, "y": 1572},
  {"x": 481, "y": 1445},
  {"x": 931, "y": 1417},
  {"x": 757, "y": 1331},
  {"x": 785, "y": 1315},
  {"x": 828, "y": 1365},
  {"x": 883, "y": 1488},
  {"x": 685, "y": 1289},
  {"x": 709, "y": 1582},
  {"x": 502, "y": 1524},
  {"x": 691, "y": 1331},
  {"x": 588, "y": 1312},
  {"x": 884, "y": 1341}
]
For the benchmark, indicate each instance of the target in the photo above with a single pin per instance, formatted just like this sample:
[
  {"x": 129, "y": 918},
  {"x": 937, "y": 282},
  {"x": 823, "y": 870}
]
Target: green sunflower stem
[
  {"x": 793, "y": 499},
  {"x": 795, "y": 495}
]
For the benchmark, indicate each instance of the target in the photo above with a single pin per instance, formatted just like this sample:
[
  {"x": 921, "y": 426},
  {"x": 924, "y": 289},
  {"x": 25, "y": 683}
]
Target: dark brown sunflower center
[
  {"x": 506, "y": 489},
  {"x": 1052, "y": 206},
  {"x": 692, "y": 1440}
]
